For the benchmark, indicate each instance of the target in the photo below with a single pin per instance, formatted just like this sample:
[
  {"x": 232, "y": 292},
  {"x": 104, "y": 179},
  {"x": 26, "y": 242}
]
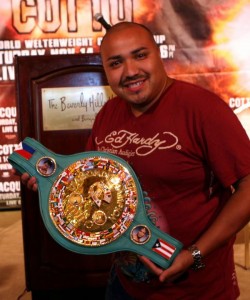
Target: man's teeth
[{"x": 136, "y": 84}]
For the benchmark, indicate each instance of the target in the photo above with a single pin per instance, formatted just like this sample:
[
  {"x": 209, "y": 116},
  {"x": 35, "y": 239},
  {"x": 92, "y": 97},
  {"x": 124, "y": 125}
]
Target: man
[
  {"x": 45, "y": 167},
  {"x": 140, "y": 234},
  {"x": 189, "y": 152}
]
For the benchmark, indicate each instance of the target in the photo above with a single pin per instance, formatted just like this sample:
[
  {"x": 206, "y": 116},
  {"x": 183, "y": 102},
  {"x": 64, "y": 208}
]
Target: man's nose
[{"x": 130, "y": 68}]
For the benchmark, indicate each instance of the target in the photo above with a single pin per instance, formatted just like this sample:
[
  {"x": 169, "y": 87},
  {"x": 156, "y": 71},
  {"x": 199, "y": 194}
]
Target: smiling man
[{"x": 133, "y": 71}]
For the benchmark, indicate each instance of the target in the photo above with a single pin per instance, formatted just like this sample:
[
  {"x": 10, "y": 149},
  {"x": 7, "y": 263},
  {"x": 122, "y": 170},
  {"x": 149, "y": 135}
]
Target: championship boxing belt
[{"x": 92, "y": 203}]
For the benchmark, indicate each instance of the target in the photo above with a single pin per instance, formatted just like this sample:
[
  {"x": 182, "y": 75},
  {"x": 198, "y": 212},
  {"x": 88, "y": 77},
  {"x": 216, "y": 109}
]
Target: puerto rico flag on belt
[{"x": 163, "y": 248}]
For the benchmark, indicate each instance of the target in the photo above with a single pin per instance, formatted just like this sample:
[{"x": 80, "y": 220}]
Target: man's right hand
[{"x": 30, "y": 182}]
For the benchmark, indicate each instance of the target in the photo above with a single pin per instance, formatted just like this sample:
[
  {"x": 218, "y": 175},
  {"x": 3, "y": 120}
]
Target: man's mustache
[{"x": 130, "y": 79}]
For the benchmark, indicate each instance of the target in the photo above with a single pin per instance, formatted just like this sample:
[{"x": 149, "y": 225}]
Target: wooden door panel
[{"x": 49, "y": 268}]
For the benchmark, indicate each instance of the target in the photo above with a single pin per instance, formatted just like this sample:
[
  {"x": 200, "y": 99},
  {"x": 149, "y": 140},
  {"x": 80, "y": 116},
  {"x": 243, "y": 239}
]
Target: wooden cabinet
[{"x": 53, "y": 272}]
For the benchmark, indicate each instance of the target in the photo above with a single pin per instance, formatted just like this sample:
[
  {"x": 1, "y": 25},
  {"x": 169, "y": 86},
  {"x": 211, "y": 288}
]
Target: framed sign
[{"x": 70, "y": 108}]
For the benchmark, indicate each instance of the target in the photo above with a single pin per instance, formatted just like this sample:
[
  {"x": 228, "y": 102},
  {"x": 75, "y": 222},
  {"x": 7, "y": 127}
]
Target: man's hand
[
  {"x": 30, "y": 182},
  {"x": 175, "y": 272}
]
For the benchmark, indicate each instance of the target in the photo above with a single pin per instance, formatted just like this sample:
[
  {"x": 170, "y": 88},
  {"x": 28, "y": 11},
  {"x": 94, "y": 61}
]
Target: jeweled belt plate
[{"x": 92, "y": 203}]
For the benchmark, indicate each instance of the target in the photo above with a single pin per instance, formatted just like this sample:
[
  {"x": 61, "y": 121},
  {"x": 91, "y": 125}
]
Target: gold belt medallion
[{"x": 93, "y": 201}]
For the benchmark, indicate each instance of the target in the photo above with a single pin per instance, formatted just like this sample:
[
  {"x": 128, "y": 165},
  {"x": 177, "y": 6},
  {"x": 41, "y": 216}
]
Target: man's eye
[
  {"x": 141, "y": 55},
  {"x": 115, "y": 63}
]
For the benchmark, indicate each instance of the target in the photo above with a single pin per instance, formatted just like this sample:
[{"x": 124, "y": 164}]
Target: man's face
[
  {"x": 44, "y": 167},
  {"x": 141, "y": 232},
  {"x": 133, "y": 65}
]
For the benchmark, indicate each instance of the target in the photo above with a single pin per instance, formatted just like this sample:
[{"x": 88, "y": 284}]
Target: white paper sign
[{"x": 70, "y": 108}]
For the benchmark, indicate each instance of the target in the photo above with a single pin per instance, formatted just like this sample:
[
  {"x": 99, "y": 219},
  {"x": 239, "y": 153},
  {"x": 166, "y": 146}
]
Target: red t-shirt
[{"x": 186, "y": 151}]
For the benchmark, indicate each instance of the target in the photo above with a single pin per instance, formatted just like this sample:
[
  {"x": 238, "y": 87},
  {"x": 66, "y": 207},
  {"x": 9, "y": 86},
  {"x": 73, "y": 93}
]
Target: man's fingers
[
  {"x": 149, "y": 264},
  {"x": 30, "y": 182},
  {"x": 25, "y": 178}
]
